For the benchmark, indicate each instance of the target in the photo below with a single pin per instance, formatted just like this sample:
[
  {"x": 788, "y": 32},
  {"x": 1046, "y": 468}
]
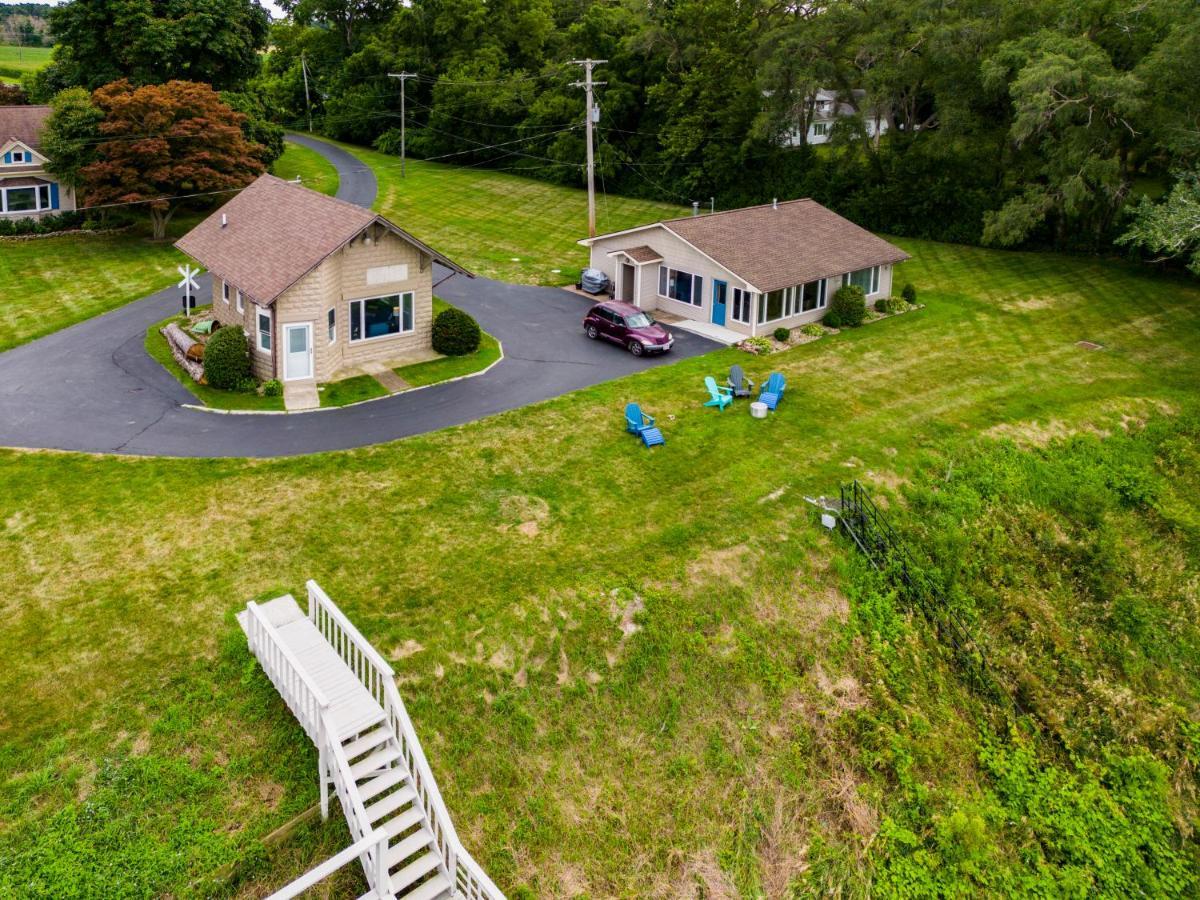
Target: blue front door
[{"x": 720, "y": 290}]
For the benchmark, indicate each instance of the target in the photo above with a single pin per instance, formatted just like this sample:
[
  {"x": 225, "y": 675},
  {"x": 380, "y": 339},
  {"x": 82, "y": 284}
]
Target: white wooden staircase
[{"x": 344, "y": 695}]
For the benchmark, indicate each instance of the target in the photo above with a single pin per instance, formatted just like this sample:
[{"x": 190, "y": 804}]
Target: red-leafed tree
[{"x": 163, "y": 142}]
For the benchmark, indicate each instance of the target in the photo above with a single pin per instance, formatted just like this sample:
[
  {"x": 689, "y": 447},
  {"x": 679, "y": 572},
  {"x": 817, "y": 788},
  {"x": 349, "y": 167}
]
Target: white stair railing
[
  {"x": 302, "y": 696},
  {"x": 377, "y": 676},
  {"x": 324, "y": 870}
]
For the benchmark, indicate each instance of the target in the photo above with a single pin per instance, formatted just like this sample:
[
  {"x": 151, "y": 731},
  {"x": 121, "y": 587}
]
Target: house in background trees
[
  {"x": 824, "y": 108},
  {"x": 26, "y": 188},
  {"x": 319, "y": 285}
]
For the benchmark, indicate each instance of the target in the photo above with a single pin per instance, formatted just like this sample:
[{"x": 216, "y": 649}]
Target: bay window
[
  {"x": 381, "y": 316},
  {"x": 25, "y": 199},
  {"x": 682, "y": 286}
]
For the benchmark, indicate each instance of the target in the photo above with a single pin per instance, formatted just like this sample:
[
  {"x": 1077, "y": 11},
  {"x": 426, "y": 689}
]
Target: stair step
[
  {"x": 410, "y": 873},
  {"x": 381, "y": 783},
  {"x": 390, "y": 803},
  {"x": 436, "y": 887},
  {"x": 401, "y": 823},
  {"x": 414, "y": 843},
  {"x": 376, "y": 762},
  {"x": 361, "y": 745}
]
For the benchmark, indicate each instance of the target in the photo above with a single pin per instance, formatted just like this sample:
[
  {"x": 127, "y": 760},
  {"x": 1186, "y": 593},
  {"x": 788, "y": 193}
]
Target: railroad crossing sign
[{"x": 188, "y": 283}]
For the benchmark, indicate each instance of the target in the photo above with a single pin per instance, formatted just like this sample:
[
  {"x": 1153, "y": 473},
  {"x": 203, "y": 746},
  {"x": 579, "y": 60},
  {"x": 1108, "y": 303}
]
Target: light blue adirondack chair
[
  {"x": 720, "y": 397},
  {"x": 772, "y": 391},
  {"x": 637, "y": 422}
]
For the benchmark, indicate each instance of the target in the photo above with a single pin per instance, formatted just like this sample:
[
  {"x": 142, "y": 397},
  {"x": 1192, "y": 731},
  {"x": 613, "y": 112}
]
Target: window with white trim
[
  {"x": 813, "y": 296},
  {"x": 867, "y": 279},
  {"x": 742, "y": 303},
  {"x": 376, "y": 317},
  {"x": 241, "y": 305},
  {"x": 25, "y": 199},
  {"x": 262, "y": 318},
  {"x": 820, "y": 129},
  {"x": 681, "y": 286},
  {"x": 331, "y": 323},
  {"x": 225, "y": 291}
]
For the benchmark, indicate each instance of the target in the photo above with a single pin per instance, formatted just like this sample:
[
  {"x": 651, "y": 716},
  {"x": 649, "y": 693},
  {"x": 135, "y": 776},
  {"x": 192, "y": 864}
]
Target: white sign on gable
[{"x": 387, "y": 274}]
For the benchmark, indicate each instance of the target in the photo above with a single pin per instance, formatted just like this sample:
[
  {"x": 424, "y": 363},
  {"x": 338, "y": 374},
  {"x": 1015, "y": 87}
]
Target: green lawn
[
  {"x": 312, "y": 168},
  {"x": 355, "y": 389},
  {"x": 16, "y": 61},
  {"x": 635, "y": 673},
  {"x": 499, "y": 224},
  {"x": 447, "y": 367},
  {"x": 58, "y": 281}
]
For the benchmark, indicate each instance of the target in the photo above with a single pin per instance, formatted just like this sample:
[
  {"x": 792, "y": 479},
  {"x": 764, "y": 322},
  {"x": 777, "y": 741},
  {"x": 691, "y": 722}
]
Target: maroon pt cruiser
[{"x": 625, "y": 324}]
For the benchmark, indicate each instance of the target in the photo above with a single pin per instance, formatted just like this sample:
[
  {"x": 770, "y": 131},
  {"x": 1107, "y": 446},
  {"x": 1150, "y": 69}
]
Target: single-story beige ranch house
[
  {"x": 751, "y": 270},
  {"x": 317, "y": 283},
  {"x": 27, "y": 190}
]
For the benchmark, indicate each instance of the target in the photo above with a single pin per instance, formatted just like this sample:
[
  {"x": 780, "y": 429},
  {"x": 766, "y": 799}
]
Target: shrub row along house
[
  {"x": 318, "y": 284},
  {"x": 751, "y": 270},
  {"x": 26, "y": 188}
]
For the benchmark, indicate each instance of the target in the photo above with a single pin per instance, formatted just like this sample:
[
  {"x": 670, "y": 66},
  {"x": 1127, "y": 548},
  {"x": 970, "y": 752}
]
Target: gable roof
[
  {"x": 641, "y": 254},
  {"x": 23, "y": 123},
  {"x": 776, "y": 246},
  {"x": 276, "y": 232}
]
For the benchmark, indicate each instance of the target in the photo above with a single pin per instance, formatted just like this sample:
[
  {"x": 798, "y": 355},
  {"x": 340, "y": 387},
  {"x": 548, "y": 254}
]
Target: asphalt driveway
[{"x": 92, "y": 387}]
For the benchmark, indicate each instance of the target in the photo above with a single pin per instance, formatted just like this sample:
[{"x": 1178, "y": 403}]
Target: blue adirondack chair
[
  {"x": 720, "y": 397},
  {"x": 637, "y": 422},
  {"x": 772, "y": 391}
]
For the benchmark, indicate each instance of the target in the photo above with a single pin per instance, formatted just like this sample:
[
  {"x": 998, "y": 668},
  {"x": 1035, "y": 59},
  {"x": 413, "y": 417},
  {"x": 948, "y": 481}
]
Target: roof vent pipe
[
  {"x": 695, "y": 207},
  {"x": 774, "y": 203},
  {"x": 224, "y": 220}
]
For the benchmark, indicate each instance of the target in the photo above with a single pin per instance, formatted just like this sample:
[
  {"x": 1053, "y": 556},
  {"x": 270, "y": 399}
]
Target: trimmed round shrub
[
  {"x": 272, "y": 388},
  {"x": 849, "y": 306},
  {"x": 455, "y": 333},
  {"x": 227, "y": 359},
  {"x": 909, "y": 293},
  {"x": 782, "y": 335}
]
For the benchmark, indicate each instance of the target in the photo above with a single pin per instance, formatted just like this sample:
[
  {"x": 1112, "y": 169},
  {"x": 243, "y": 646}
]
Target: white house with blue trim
[{"x": 26, "y": 188}]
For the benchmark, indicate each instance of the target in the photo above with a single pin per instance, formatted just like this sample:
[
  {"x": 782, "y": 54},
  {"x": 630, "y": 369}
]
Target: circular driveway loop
[{"x": 92, "y": 387}]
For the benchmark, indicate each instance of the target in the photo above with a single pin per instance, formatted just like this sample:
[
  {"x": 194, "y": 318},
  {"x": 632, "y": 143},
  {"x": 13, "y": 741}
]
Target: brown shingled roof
[
  {"x": 640, "y": 254},
  {"x": 23, "y": 123},
  {"x": 277, "y": 232},
  {"x": 773, "y": 247}
]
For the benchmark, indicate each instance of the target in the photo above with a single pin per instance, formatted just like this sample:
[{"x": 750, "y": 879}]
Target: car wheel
[
  {"x": 591, "y": 332},
  {"x": 636, "y": 348}
]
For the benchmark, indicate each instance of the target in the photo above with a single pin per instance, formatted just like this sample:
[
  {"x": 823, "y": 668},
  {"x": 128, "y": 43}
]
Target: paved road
[{"x": 92, "y": 387}]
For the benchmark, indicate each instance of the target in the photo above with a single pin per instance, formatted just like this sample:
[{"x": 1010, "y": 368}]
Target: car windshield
[{"x": 639, "y": 320}]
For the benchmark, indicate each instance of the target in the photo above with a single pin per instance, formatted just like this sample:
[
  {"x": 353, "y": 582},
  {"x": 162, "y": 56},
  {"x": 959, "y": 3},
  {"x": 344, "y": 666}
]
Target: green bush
[
  {"x": 813, "y": 329},
  {"x": 909, "y": 293},
  {"x": 272, "y": 388},
  {"x": 227, "y": 359},
  {"x": 782, "y": 335},
  {"x": 455, "y": 333},
  {"x": 848, "y": 308},
  {"x": 889, "y": 304},
  {"x": 758, "y": 345}
]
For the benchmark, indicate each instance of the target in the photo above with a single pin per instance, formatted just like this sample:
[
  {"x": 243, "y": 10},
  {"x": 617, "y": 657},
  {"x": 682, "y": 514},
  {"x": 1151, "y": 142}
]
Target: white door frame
[{"x": 307, "y": 326}]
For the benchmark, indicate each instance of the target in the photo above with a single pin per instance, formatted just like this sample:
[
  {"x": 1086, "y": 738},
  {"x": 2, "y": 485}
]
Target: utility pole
[
  {"x": 403, "y": 76},
  {"x": 587, "y": 84},
  {"x": 307, "y": 102}
]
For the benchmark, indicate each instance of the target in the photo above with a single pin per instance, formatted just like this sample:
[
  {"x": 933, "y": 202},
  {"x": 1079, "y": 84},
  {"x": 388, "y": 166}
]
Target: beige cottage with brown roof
[
  {"x": 320, "y": 285},
  {"x": 751, "y": 270},
  {"x": 27, "y": 190}
]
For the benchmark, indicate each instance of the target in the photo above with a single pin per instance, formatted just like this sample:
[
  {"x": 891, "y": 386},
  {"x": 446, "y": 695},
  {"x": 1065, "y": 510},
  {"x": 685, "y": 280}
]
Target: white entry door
[{"x": 297, "y": 351}]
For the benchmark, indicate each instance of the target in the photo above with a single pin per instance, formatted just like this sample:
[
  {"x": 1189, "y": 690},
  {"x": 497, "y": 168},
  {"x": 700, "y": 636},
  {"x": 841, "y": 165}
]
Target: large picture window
[
  {"x": 381, "y": 316},
  {"x": 682, "y": 286},
  {"x": 741, "y": 306},
  {"x": 867, "y": 279}
]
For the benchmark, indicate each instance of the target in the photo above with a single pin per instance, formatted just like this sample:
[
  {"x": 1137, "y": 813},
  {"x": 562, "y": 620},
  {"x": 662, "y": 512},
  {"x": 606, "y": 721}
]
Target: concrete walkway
[{"x": 92, "y": 387}]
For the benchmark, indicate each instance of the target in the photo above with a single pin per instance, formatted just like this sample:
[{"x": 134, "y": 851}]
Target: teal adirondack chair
[
  {"x": 720, "y": 397},
  {"x": 637, "y": 422},
  {"x": 772, "y": 391}
]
